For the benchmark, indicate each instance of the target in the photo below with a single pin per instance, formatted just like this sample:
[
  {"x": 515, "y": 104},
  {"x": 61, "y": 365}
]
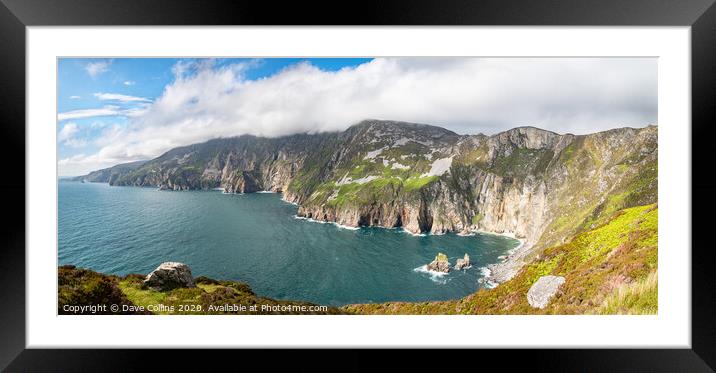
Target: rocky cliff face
[{"x": 534, "y": 184}]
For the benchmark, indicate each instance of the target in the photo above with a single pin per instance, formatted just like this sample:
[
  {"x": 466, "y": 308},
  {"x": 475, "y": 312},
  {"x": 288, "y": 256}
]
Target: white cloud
[
  {"x": 466, "y": 95},
  {"x": 129, "y": 82},
  {"x": 119, "y": 97},
  {"x": 82, "y": 164},
  {"x": 67, "y": 131},
  {"x": 76, "y": 143},
  {"x": 75, "y": 97},
  {"x": 105, "y": 111},
  {"x": 96, "y": 68},
  {"x": 108, "y": 110},
  {"x": 67, "y": 134},
  {"x": 136, "y": 111}
]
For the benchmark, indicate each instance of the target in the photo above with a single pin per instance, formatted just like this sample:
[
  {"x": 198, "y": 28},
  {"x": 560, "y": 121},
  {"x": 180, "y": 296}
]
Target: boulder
[
  {"x": 440, "y": 264},
  {"x": 543, "y": 290},
  {"x": 463, "y": 263},
  {"x": 170, "y": 275}
]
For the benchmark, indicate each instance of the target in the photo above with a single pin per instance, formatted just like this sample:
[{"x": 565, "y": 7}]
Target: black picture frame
[{"x": 16, "y": 15}]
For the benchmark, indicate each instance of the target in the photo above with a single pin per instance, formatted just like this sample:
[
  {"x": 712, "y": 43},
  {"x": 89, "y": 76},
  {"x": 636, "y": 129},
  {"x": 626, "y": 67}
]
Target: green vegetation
[
  {"x": 82, "y": 287},
  {"x": 385, "y": 182},
  {"x": 521, "y": 162},
  {"x": 611, "y": 268},
  {"x": 473, "y": 156},
  {"x": 639, "y": 298},
  {"x": 595, "y": 189},
  {"x": 416, "y": 183},
  {"x": 79, "y": 287}
]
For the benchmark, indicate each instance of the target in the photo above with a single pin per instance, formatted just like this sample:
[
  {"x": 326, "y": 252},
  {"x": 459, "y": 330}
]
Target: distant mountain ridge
[
  {"x": 535, "y": 184},
  {"x": 109, "y": 175}
]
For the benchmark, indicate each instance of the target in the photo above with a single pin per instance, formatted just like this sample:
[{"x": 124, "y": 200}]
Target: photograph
[
  {"x": 198, "y": 182},
  {"x": 405, "y": 185}
]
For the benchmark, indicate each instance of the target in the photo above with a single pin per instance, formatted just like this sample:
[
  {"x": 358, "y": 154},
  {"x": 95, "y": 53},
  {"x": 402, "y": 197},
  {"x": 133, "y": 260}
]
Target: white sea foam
[
  {"x": 289, "y": 202},
  {"x": 435, "y": 276},
  {"x": 326, "y": 222},
  {"x": 486, "y": 273},
  {"x": 265, "y": 191},
  {"x": 414, "y": 234}
]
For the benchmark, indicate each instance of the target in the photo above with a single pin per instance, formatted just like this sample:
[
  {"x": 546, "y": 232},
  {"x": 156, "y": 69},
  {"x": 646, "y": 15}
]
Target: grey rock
[
  {"x": 543, "y": 290},
  {"x": 170, "y": 275},
  {"x": 440, "y": 264},
  {"x": 463, "y": 263}
]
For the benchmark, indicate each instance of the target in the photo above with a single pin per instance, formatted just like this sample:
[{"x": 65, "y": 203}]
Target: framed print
[{"x": 222, "y": 178}]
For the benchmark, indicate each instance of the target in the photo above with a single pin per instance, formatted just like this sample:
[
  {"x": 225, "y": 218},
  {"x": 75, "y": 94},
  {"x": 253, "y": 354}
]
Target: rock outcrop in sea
[
  {"x": 439, "y": 264},
  {"x": 543, "y": 290},
  {"x": 170, "y": 275},
  {"x": 463, "y": 263}
]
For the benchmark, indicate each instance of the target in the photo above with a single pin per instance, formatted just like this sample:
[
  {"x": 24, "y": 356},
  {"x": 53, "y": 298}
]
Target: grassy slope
[
  {"x": 86, "y": 287},
  {"x": 610, "y": 268},
  {"x": 632, "y": 174},
  {"x": 390, "y": 183}
]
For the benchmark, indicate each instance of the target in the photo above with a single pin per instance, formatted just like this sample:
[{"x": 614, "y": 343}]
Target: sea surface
[{"x": 257, "y": 239}]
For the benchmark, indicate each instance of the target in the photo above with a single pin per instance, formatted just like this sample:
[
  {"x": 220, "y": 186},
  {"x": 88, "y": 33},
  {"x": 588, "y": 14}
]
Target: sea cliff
[{"x": 536, "y": 185}]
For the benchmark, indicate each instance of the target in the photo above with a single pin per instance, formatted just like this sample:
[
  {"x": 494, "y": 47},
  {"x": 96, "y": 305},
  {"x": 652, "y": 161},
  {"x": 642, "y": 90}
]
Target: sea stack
[
  {"x": 440, "y": 264},
  {"x": 463, "y": 263}
]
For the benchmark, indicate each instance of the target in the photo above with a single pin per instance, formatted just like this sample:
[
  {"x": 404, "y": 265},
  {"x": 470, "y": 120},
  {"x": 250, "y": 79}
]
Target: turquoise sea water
[{"x": 255, "y": 238}]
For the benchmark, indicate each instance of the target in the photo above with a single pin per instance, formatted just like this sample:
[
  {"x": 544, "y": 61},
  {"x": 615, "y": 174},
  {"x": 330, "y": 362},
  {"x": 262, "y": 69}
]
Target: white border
[{"x": 670, "y": 328}]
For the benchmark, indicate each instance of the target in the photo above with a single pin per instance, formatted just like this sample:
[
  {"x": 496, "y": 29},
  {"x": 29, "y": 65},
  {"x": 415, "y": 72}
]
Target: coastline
[
  {"x": 497, "y": 273},
  {"x": 510, "y": 265},
  {"x": 326, "y": 222},
  {"x": 494, "y": 274}
]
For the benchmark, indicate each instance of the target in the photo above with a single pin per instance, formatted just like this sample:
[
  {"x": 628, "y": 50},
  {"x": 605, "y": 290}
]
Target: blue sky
[
  {"x": 118, "y": 110},
  {"x": 82, "y": 81}
]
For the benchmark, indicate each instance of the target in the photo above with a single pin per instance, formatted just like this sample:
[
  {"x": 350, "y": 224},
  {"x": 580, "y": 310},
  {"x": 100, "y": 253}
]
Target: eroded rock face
[
  {"x": 463, "y": 263},
  {"x": 170, "y": 275},
  {"x": 440, "y": 264},
  {"x": 543, "y": 290},
  {"x": 524, "y": 181}
]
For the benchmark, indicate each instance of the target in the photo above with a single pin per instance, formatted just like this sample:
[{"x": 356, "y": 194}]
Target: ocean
[{"x": 257, "y": 239}]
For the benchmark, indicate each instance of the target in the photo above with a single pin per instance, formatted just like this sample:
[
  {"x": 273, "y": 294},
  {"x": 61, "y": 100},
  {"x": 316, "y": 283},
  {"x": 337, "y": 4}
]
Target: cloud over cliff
[{"x": 466, "y": 95}]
